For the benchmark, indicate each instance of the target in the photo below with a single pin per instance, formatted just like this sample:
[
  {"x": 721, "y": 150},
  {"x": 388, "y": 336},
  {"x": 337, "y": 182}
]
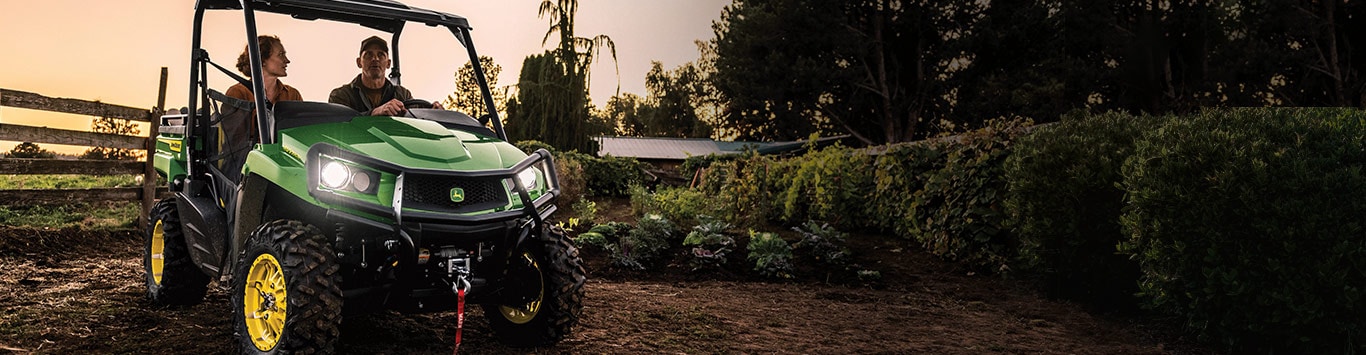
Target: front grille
[{"x": 433, "y": 193}]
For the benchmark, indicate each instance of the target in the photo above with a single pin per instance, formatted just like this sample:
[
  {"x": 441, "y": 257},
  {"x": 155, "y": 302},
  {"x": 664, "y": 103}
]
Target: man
[{"x": 371, "y": 93}]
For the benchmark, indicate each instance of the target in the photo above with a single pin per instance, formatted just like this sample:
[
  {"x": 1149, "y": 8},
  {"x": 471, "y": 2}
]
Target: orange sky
[{"x": 112, "y": 51}]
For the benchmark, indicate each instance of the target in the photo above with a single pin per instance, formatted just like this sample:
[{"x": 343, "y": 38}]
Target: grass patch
[
  {"x": 67, "y": 181},
  {"x": 85, "y": 216}
]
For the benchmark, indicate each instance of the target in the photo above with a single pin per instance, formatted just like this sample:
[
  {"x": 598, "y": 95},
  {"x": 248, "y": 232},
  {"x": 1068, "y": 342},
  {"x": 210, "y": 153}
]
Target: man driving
[{"x": 371, "y": 93}]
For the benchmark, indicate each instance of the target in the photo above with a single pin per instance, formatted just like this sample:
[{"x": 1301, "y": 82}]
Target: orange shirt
[{"x": 282, "y": 93}]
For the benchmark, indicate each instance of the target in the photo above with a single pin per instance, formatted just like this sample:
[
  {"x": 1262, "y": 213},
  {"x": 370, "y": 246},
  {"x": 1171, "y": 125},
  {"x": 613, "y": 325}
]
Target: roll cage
[{"x": 384, "y": 15}]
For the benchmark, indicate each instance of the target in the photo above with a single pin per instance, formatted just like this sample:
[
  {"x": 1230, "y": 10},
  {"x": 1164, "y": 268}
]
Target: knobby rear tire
[{"x": 182, "y": 283}]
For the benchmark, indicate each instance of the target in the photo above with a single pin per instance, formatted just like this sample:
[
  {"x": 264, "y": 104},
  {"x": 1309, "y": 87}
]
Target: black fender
[
  {"x": 251, "y": 196},
  {"x": 205, "y": 226}
]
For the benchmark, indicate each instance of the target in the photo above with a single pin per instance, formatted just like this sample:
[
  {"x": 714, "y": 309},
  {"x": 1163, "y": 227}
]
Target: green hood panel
[
  {"x": 408, "y": 142},
  {"x": 419, "y": 139}
]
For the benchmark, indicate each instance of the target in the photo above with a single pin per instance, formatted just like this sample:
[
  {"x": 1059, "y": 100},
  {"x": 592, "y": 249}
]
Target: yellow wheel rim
[
  {"x": 527, "y": 312},
  {"x": 264, "y": 302},
  {"x": 158, "y": 251}
]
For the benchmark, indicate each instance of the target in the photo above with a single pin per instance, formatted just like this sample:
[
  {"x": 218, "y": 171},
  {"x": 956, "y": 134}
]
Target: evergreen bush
[
  {"x": 1249, "y": 224},
  {"x": 1065, "y": 200}
]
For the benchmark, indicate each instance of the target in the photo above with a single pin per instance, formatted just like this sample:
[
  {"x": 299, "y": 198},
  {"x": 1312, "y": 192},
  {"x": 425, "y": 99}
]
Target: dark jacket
[{"x": 351, "y": 96}]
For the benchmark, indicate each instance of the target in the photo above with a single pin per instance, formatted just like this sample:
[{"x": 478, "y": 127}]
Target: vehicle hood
[{"x": 407, "y": 142}]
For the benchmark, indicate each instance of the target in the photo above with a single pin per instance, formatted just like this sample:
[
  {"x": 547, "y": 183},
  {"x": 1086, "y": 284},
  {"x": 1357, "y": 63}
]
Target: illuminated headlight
[
  {"x": 334, "y": 175},
  {"x": 528, "y": 177}
]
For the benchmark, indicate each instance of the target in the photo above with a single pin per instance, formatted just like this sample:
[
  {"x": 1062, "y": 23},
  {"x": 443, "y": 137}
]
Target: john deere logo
[{"x": 457, "y": 195}]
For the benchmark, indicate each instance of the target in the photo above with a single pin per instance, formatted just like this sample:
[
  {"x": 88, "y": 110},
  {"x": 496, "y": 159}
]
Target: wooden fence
[{"x": 9, "y": 132}]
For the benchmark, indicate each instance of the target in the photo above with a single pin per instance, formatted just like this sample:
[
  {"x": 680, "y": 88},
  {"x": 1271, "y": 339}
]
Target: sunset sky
[{"x": 112, "y": 51}]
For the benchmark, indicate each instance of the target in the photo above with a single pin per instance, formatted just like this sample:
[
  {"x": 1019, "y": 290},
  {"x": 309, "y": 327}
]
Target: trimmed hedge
[
  {"x": 1065, "y": 202},
  {"x": 945, "y": 194},
  {"x": 1251, "y": 224}
]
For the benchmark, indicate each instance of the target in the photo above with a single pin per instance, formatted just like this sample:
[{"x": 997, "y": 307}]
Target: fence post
[{"x": 149, "y": 173}]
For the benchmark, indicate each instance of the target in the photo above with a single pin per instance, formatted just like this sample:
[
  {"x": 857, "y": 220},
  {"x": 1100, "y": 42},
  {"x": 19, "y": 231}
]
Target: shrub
[
  {"x": 644, "y": 243},
  {"x": 1065, "y": 201},
  {"x": 825, "y": 243},
  {"x": 828, "y": 184},
  {"x": 529, "y": 146},
  {"x": 569, "y": 171},
  {"x": 900, "y": 171},
  {"x": 613, "y": 176},
  {"x": 676, "y": 204},
  {"x": 958, "y": 213},
  {"x": 744, "y": 189},
  {"x": 1248, "y": 223},
  {"x": 710, "y": 244},
  {"x": 772, "y": 256}
]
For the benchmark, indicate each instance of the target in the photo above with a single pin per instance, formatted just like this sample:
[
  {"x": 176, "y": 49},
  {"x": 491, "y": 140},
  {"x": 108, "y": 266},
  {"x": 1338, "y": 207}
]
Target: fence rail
[{"x": 19, "y": 133}]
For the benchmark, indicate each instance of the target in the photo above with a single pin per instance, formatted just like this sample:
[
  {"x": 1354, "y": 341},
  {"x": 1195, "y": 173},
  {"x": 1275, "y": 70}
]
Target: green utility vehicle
[{"x": 334, "y": 213}]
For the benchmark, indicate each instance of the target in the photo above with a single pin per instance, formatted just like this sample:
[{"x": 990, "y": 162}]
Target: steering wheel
[
  {"x": 410, "y": 104},
  {"x": 417, "y": 103}
]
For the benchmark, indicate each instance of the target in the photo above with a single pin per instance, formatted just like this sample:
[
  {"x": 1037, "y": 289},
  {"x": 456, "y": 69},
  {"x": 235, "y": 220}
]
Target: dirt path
[{"x": 64, "y": 292}]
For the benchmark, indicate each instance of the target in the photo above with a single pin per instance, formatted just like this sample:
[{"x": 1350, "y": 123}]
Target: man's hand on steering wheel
[{"x": 391, "y": 108}]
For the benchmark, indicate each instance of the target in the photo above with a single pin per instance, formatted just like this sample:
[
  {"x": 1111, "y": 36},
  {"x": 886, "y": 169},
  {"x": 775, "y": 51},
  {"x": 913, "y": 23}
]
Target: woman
[{"x": 274, "y": 65}]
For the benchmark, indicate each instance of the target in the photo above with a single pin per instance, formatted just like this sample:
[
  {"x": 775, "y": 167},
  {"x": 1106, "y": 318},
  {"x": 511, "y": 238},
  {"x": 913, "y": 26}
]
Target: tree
[
  {"x": 552, "y": 102},
  {"x": 625, "y": 113},
  {"x": 468, "y": 98},
  {"x": 29, "y": 150},
  {"x": 112, "y": 126},
  {"x": 674, "y": 100},
  {"x": 874, "y": 69}
]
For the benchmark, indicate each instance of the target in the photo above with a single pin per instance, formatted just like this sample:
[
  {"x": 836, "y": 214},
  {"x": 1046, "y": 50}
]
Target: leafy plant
[
  {"x": 825, "y": 243},
  {"x": 869, "y": 275},
  {"x": 681, "y": 204},
  {"x": 710, "y": 244},
  {"x": 772, "y": 256},
  {"x": 644, "y": 243},
  {"x": 586, "y": 210},
  {"x": 591, "y": 239},
  {"x": 603, "y": 236}
]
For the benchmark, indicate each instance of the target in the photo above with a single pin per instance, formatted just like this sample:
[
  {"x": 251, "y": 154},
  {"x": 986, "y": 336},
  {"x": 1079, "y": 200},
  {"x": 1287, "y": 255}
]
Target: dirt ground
[{"x": 70, "y": 291}]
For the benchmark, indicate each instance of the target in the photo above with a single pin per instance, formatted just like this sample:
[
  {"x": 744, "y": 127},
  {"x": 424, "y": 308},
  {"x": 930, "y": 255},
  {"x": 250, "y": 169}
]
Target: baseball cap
[{"x": 374, "y": 41}]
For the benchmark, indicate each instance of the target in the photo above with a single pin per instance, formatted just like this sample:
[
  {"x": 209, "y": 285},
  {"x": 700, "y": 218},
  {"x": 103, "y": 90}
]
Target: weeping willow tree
[{"x": 552, "y": 102}]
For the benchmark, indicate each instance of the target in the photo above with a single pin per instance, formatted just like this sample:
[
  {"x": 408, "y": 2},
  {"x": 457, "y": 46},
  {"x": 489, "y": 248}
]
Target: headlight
[
  {"x": 334, "y": 175},
  {"x": 362, "y": 181},
  {"x": 528, "y": 177}
]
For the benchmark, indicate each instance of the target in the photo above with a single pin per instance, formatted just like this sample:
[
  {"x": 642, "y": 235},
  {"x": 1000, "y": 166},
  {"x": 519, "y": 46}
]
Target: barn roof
[{"x": 682, "y": 148}]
